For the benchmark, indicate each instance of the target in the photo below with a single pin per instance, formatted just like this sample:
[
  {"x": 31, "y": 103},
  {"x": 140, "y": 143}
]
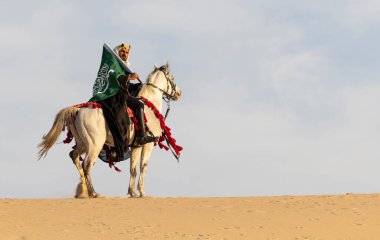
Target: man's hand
[{"x": 134, "y": 76}]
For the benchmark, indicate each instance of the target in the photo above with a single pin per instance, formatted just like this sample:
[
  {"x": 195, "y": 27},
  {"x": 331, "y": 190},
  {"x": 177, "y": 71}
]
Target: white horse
[{"x": 91, "y": 133}]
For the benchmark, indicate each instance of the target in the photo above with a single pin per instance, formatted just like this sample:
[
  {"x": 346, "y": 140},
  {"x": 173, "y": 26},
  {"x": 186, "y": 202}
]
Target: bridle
[{"x": 166, "y": 95}]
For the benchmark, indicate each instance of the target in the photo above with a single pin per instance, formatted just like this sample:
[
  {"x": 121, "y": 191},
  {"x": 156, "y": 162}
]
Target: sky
[{"x": 279, "y": 97}]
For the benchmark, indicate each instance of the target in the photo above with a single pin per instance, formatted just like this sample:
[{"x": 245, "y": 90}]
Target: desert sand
[{"x": 349, "y": 216}]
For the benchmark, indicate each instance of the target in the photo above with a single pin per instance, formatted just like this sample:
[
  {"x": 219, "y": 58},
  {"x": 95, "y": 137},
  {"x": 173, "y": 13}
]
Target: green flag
[{"x": 111, "y": 67}]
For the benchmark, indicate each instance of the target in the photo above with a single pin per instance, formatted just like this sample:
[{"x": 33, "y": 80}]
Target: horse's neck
[{"x": 153, "y": 95}]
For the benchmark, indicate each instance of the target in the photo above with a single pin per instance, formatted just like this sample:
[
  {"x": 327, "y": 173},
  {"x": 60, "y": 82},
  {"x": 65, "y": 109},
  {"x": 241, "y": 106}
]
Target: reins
[{"x": 167, "y": 98}]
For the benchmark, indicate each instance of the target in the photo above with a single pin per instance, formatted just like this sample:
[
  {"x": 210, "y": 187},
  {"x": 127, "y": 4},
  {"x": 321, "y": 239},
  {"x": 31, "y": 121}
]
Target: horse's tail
[{"x": 64, "y": 118}]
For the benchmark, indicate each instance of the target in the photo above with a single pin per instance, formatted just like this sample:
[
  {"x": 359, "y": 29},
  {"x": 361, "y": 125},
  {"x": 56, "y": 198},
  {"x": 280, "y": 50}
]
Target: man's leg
[
  {"x": 110, "y": 116},
  {"x": 138, "y": 105}
]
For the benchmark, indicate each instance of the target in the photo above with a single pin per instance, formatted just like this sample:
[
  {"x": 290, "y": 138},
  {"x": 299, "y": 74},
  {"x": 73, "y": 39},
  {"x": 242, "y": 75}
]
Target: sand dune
[{"x": 286, "y": 217}]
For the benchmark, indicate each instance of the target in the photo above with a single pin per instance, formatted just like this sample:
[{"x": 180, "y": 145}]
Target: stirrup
[{"x": 145, "y": 139}]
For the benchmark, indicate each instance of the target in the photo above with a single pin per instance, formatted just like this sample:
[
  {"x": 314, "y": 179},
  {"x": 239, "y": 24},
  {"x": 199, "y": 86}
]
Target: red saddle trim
[
  {"x": 95, "y": 105},
  {"x": 131, "y": 114},
  {"x": 88, "y": 104}
]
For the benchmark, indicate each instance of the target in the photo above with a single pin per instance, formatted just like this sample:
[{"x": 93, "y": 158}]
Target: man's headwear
[{"x": 124, "y": 46}]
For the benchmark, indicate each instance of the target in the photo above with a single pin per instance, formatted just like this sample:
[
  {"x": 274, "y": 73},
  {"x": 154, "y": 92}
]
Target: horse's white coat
[{"x": 91, "y": 133}]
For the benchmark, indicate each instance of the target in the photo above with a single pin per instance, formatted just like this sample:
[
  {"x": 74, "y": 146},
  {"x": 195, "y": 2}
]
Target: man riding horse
[{"x": 114, "y": 108}]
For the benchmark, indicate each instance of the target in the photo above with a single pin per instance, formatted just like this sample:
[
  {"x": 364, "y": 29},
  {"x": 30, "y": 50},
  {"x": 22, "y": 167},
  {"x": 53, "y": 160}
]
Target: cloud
[
  {"x": 186, "y": 18},
  {"x": 246, "y": 149},
  {"x": 361, "y": 16},
  {"x": 277, "y": 96}
]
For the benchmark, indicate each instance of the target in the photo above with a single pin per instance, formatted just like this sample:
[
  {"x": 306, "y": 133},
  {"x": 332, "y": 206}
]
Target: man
[
  {"x": 113, "y": 108},
  {"x": 134, "y": 102}
]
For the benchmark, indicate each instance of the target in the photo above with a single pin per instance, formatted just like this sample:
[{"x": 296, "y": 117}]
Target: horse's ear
[
  {"x": 155, "y": 67},
  {"x": 167, "y": 65}
]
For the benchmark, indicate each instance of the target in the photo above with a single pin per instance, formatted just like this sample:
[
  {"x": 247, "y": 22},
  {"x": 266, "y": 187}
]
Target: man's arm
[{"x": 134, "y": 76}]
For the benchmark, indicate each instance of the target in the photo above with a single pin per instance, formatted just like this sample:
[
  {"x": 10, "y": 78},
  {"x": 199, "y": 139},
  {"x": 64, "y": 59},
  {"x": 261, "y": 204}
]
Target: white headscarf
[{"x": 123, "y": 45}]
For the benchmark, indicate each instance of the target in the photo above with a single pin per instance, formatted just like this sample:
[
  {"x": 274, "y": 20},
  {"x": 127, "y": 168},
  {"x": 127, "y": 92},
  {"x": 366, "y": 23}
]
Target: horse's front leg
[
  {"x": 135, "y": 158},
  {"x": 146, "y": 152}
]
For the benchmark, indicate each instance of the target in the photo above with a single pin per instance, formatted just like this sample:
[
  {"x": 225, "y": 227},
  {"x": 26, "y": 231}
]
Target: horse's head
[{"x": 163, "y": 79}]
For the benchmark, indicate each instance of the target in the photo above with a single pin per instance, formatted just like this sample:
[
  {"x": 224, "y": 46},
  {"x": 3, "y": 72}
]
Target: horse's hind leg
[
  {"x": 81, "y": 191},
  {"x": 89, "y": 161},
  {"x": 91, "y": 128}
]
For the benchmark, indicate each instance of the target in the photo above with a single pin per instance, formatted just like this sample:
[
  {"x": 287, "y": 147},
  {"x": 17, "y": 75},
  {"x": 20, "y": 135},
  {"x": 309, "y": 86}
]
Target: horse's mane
[
  {"x": 151, "y": 75},
  {"x": 154, "y": 72}
]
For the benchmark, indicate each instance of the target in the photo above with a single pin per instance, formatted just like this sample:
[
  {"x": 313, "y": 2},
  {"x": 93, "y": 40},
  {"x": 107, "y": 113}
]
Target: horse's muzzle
[{"x": 177, "y": 94}]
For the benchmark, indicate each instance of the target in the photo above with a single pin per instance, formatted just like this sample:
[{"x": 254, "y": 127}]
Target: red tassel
[
  {"x": 69, "y": 137},
  {"x": 163, "y": 146},
  {"x": 166, "y": 130}
]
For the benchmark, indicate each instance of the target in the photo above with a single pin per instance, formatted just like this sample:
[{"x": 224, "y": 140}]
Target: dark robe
[{"x": 117, "y": 117}]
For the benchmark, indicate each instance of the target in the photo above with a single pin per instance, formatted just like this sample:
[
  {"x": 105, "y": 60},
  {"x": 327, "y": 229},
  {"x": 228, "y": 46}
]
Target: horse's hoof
[
  {"x": 96, "y": 195},
  {"x": 132, "y": 193},
  {"x": 81, "y": 196},
  {"x": 81, "y": 191}
]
